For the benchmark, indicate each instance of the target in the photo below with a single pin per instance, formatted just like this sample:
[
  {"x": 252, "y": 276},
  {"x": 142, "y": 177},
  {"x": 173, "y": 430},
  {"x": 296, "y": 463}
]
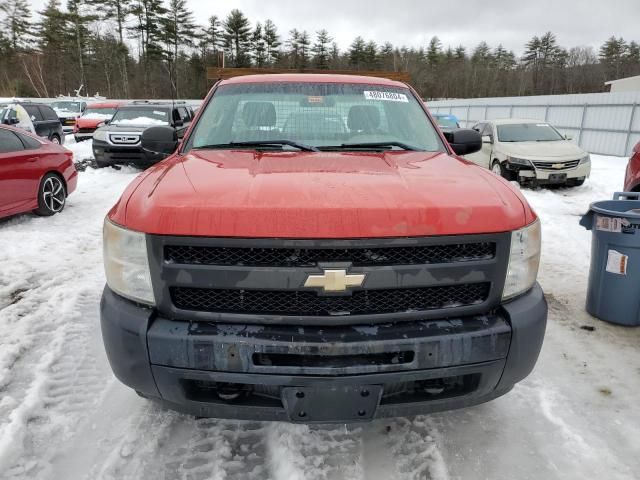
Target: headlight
[
  {"x": 126, "y": 263},
  {"x": 519, "y": 161},
  {"x": 100, "y": 135},
  {"x": 585, "y": 159},
  {"x": 524, "y": 260}
]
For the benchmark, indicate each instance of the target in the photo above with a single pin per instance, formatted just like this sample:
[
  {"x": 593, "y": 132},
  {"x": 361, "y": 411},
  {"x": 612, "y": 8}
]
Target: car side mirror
[
  {"x": 13, "y": 121},
  {"x": 487, "y": 139},
  {"x": 464, "y": 140},
  {"x": 178, "y": 123},
  {"x": 161, "y": 140},
  {"x": 568, "y": 136}
]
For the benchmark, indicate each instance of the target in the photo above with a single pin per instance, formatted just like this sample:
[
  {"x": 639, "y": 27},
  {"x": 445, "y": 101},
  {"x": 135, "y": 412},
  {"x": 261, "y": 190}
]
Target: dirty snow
[{"x": 64, "y": 416}]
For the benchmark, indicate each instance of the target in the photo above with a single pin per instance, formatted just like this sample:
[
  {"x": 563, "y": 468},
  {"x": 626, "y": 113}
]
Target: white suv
[{"x": 531, "y": 152}]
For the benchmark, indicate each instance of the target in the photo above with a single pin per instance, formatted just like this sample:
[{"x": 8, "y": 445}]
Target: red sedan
[
  {"x": 632, "y": 179},
  {"x": 35, "y": 174}
]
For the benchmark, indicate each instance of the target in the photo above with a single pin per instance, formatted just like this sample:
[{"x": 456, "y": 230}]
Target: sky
[{"x": 413, "y": 22}]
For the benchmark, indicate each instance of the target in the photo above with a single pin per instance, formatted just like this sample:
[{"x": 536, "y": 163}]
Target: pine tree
[
  {"x": 147, "y": 30},
  {"x": 272, "y": 42},
  {"x": 371, "y": 55},
  {"x": 434, "y": 52},
  {"x": 178, "y": 29},
  {"x": 320, "y": 49},
  {"x": 237, "y": 41},
  {"x": 357, "y": 52},
  {"x": 612, "y": 56},
  {"x": 118, "y": 10},
  {"x": 214, "y": 34},
  {"x": 16, "y": 23},
  {"x": 304, "y": 48},
  {"x": 258, "y": 46},
  {"x": 293, "y": 48}
]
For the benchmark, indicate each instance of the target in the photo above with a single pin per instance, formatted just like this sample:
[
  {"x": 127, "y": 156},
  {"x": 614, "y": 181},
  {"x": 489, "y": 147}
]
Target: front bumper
[
  {"x": 580, "y": 172},
  {"x": 321, "y": 374},
  {"x": 108, "y": 154}
]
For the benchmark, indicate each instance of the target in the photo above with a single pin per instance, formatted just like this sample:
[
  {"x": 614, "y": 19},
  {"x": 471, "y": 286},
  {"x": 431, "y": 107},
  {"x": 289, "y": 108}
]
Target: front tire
[
  {"x": 55, "y": 139},
  {"x": 52, "y": 196}
]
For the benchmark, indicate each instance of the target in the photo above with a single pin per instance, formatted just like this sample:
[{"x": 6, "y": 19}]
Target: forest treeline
[{"x": 156, "y": 49}]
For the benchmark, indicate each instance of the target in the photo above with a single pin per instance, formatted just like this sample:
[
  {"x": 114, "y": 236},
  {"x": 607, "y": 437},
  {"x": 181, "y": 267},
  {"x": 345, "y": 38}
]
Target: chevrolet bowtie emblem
[
  {"x": 334, "y": 280},
  {"x": 557, "y": 166}
]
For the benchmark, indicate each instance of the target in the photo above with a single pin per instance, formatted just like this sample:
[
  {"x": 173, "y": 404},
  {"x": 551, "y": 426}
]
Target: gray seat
[
  {"x": 260, "y": 122},
  {"x": 363, "y": 119}
]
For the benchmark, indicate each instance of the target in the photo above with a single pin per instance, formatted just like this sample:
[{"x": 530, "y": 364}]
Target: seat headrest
[
  {"x": 259, "y": 114},
  {"x": 363, "y": 117}
]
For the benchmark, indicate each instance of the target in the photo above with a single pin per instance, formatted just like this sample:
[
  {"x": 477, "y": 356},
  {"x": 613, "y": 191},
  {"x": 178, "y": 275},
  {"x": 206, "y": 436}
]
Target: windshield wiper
[
  {"x": 260, "y": 143},
  {"x": 372, "y": 145}
]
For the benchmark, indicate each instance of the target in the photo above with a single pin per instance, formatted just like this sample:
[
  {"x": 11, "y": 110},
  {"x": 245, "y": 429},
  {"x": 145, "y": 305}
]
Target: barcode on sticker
[
  {"x": 608, "y": 224},
  {"x": 386, "y": 96},
  {"x": 617, "y": 262}
]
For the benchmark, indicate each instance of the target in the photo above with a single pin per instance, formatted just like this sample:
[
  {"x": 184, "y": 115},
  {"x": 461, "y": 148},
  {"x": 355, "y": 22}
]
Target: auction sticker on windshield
[{"x": 387, "y": 96}]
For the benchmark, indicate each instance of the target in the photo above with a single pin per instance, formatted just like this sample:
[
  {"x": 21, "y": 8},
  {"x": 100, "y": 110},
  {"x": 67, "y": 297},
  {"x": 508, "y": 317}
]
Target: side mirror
[
  {"x": 178, "y": 123},
  {"x": 13, "y": 121},
  {"x": 464, "y": 140},
  {"x": 161, "y": 140},
  {"x": 487, "y": 139},
  {"x": 568, "y": 136}
]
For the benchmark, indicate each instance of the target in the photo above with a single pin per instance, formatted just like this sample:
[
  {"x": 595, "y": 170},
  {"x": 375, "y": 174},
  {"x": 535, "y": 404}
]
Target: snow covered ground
[{"x": 64, "y": 416}]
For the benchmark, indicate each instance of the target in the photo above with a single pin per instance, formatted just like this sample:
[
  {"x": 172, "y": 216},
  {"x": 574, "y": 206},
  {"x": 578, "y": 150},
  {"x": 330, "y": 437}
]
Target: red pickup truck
[{"x": 314, "y": 250}]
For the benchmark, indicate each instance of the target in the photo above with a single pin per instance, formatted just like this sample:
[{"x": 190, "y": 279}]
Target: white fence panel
[{"x": 604, "y": 123}]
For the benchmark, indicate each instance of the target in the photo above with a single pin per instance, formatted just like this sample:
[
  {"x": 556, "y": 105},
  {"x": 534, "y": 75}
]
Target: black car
[
  {"x": 118, "y": 141},
  {"x": 45, "y": 121}
]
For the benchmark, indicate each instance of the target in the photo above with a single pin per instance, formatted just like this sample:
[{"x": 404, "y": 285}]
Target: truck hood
[
  {"x": 542, "y": 150},
  {"x": 320, "y": 195}
]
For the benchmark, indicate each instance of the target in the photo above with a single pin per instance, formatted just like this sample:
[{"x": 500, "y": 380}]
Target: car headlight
[
  {"x": 519, "y": 161},
  {"x": 524, "y": 260},
  {"x": 100, "y": 135},
  {"x": 126, "y": 263},
  {"x": 585, "y": 159}
]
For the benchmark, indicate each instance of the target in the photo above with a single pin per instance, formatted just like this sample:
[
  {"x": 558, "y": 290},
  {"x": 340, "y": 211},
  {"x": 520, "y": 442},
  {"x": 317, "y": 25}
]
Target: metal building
[{"x": 629, "y": 84}]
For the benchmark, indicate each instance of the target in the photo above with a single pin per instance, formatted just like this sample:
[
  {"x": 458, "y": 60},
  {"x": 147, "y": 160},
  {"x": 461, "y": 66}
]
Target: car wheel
[
  {"x": 52, "y": 195},
  {"x": 55, "y": 139},
  {"x": 496, "y": 168}
]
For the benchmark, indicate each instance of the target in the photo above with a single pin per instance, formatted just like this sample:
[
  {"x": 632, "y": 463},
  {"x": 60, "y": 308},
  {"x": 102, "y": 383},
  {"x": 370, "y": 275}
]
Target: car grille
[
  {"x": 551, "y": 166},
  {"x": 306, "y": 257},
  {"x": 293, "y": 302},
  {"x": 86, "y": 130}
]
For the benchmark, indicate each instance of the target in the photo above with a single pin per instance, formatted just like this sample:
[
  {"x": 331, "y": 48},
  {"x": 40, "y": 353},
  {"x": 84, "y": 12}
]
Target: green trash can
[{"x": 613, "y": 294}]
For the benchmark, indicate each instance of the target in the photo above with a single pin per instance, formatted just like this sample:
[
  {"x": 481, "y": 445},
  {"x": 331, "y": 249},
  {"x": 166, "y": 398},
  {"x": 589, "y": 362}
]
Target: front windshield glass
[
  {"x": 140, "y": 116},
  {"x": 528, "y": 132},
  {"x": 315, "y": 114},
  {"x": 99, "y": 113},
  {"x": 66, "y": 106}
]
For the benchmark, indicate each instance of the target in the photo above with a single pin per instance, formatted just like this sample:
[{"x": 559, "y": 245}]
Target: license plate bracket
[
  {"x": 557, "y": 177},
  {"x": 331, "y": 403}
]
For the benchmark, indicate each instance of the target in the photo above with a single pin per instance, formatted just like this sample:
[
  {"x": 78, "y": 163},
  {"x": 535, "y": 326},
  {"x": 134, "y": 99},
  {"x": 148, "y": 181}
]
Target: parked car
[
  {"x": 334, "y": 275},
  {"x": 68, "y": 111},
  {"x": 446, "y": 121},
  {"x": 35, "y": 175},
  {"x": 95, "y": 115},
  {"x": 41, "y": 119},
  {"x": 118, "y": 142},
  {"x": 632, "y": 177},
  {"x": 531, "y": 152}
]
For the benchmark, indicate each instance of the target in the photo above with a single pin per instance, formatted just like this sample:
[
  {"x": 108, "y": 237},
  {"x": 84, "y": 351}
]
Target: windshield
[
  {"x": 528, "y": 132},
  {"x": 140, "y": 116},
  {"x": 99, "y": 113},
  {"x": 66, "y": 106},
  {"x": 322, "y": 115},
  {"x": 447, "y": 122}
]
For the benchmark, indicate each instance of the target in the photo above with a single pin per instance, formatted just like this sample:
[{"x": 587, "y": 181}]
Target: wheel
[
  {"x": 52, "y": 195},
  {"x": 55, "y": 139},
  {"x": 497, "y": 168}
]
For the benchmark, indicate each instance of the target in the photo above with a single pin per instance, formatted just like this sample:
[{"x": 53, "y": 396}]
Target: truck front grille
[
  {"x": 307, "y": 257},
  {"x": 294, "y": 302}
]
